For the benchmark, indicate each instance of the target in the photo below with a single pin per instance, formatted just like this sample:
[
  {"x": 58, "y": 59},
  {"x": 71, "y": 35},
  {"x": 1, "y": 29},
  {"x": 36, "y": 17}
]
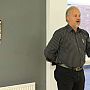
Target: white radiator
[{"x": 27, "y": 86}]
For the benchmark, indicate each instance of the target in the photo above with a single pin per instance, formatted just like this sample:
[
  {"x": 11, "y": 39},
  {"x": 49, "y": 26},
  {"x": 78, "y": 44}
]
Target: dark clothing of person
[
  {"x": 68, "y": 47},
  {"x": 68, "y": 79}
]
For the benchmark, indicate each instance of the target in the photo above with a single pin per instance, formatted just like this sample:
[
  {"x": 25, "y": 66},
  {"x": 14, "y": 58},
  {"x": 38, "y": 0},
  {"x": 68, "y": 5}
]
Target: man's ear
[{"x": 67, "y": 18}]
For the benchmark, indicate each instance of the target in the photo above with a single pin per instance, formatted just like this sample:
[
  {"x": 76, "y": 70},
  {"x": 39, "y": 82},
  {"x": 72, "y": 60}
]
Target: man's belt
[{"x": 72, "y": 68}]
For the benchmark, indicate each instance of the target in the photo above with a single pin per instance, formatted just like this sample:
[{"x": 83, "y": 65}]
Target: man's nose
[{"x": 78, "y": 18}]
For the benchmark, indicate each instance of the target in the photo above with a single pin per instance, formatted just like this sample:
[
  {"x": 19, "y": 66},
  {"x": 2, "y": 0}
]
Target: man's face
[{"x": 74, "y": 18}]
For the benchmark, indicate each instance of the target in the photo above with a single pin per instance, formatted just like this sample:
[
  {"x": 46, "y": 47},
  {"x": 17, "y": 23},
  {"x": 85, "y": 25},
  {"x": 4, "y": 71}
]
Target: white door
[{"x": 55, "y": 18}]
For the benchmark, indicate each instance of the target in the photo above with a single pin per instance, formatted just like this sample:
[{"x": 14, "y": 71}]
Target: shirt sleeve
[
  {"x": 51, "y": 49},
  {"x": 88, "y": 46}
]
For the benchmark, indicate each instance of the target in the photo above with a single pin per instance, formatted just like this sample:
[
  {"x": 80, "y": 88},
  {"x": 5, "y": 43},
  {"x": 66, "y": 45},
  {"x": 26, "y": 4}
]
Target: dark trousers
[{"x": 68, "y": 79}]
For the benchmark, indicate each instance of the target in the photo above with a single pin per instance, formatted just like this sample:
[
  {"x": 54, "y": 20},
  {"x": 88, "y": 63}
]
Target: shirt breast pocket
[{"x": 83, "y": 43}]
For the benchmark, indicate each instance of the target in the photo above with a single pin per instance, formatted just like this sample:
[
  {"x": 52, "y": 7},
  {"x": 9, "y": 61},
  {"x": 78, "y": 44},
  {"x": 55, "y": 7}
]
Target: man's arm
[
  {"x": 51, "y": 49},
  {"x": 88, "y": 46}
]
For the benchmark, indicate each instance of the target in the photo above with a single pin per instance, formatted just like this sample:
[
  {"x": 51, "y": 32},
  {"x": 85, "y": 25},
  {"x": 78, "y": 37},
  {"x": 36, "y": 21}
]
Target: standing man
[{"x": 67, "y": 49}]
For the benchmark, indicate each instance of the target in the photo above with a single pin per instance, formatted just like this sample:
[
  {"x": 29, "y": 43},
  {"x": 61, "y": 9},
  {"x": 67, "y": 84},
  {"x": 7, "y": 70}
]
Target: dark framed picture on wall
[{"x": 0, "y": 30}]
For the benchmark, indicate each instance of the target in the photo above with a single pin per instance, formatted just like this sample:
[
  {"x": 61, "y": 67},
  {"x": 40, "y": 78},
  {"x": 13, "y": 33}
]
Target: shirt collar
[{"x": 70, "y": 29}]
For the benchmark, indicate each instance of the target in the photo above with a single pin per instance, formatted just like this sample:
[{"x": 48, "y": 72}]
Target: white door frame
[{"x": 55, "y": 18}]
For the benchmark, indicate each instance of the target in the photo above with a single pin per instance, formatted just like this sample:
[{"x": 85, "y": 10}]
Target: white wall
[{"x": 55, "y": 18}]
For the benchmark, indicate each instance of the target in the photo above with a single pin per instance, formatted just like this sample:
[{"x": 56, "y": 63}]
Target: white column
[{"x": 55, "y": 18}]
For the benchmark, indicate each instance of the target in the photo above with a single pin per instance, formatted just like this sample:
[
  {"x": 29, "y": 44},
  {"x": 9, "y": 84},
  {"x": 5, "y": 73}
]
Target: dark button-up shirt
[{"x": 68, "y": 47}]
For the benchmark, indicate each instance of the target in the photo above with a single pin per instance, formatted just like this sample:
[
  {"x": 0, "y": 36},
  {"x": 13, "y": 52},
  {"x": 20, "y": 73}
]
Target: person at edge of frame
[{"x": 67, "y": 49}]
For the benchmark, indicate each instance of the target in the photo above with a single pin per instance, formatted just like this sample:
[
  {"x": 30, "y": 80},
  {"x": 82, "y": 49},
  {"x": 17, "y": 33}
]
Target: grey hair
[{"x": 69, "y": 9}]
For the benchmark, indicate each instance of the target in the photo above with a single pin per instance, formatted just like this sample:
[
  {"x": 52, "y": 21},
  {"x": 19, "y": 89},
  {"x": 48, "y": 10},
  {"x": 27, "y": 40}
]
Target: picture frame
[{"x": 0, "y": 30}]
